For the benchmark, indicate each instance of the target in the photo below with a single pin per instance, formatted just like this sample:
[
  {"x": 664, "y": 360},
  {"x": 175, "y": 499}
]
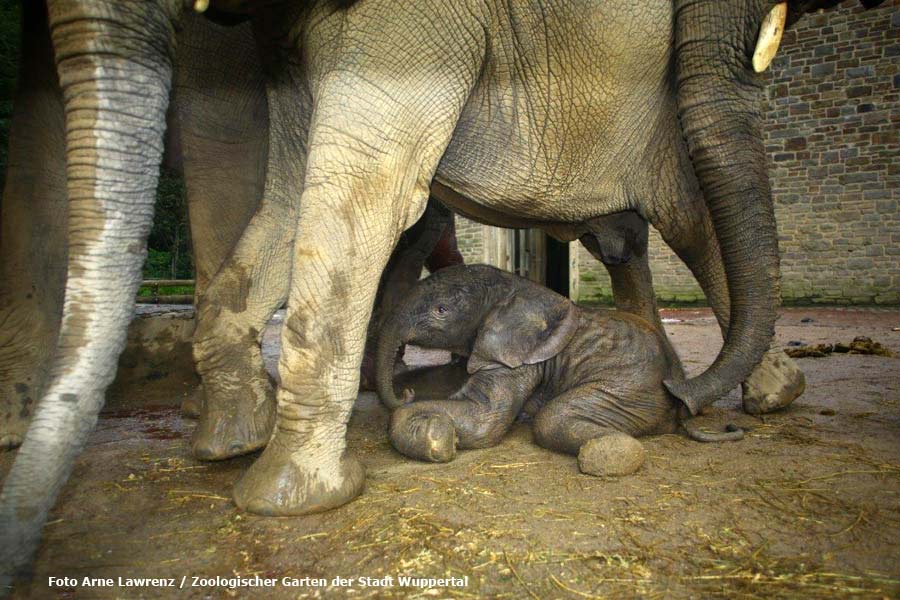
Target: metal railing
[{"x": 156, "y": 298}]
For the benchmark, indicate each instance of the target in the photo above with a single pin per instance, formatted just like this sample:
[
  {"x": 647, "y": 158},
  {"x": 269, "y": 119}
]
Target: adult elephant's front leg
[
  {"x": 304, "y": 467},
  {"x": 363, "y": 187}
]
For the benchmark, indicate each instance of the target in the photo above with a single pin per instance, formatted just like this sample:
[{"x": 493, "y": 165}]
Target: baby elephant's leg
[
  {"x": 596, "y": 427},
  {"x": 477, "y": 416},
  {"x": 424, "y": 434}
]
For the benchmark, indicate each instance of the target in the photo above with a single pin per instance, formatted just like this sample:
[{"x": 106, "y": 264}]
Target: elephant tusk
[
  {"x": 769, "y": 37},
  {"x": 200, "y": 6}
]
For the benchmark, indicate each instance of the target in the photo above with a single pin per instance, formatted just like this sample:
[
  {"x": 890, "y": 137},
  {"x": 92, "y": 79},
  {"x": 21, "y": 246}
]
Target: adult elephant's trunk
[
  {"x": 719, "y": 110},
  {"x": 389, "y": 344},
  {"x": 114, "y": 65}
]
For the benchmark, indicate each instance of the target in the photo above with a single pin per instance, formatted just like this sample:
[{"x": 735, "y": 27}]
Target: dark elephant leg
[
  {"x": 601, "y": 427},
  {"x": 685, "y": 224},
  {"x": 446, "y": 253},
  {"x": 477, "y": 416},
  {"x": 33, "y": 219},
  {"x": 632, "y": 286},
  {"x": 219, "y": 125},
  {"x": 619, "y": 241}
]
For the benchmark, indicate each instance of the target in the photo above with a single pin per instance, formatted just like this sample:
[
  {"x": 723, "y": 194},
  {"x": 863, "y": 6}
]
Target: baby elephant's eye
[{"x": 441, "y": 309}]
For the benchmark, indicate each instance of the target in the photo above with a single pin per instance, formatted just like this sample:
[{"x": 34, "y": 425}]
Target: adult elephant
[
  {"x": 217, "y": 137},
  {"x": 510, "y": 112}
]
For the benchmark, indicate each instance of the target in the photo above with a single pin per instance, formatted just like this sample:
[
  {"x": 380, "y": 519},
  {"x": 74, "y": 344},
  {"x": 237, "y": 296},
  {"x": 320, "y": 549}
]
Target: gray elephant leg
[
  {"x": 620, "y": 242},
  {"x": 477, "y": 416},
  {"x": 218, "y": 136},
  {"x": 365, "y": 184},
  {"x": 686, "y": 226},
  {"x": 108, "y": 57},
  {"x": 239, "y": 400},
  {"x": 33, "y": 238},
  {"x": 600, "y": 427}
]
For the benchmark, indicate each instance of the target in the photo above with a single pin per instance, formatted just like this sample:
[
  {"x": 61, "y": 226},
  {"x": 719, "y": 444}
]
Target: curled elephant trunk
[
  {"x": 114, "y": 65},
  {"x": 389, "y": 344},
  {"x": 718, "y": 106}
]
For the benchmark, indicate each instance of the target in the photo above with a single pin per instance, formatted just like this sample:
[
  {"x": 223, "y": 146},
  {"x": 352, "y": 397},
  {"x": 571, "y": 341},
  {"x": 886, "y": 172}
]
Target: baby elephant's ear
[{"x": 527, "y": 328}]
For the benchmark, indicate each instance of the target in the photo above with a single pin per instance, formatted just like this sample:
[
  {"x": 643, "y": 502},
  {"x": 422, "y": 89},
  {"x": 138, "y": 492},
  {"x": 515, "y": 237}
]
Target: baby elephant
[{"x": 592, "y": 380}]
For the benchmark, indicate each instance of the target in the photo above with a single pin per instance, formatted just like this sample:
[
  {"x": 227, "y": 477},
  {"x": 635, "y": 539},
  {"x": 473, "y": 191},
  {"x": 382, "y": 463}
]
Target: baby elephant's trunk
[{"x": 389, "y": 344}]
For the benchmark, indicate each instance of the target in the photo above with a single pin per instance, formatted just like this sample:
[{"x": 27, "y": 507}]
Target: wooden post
[{"x": 573, "y": 270}]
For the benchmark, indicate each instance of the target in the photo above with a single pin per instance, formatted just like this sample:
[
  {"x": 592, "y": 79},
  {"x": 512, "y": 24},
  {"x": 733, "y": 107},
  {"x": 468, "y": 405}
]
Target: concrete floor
[{"x": 807, "y": 505}]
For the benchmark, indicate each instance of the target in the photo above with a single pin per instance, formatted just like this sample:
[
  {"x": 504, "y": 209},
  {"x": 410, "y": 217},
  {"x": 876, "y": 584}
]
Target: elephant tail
[{"x": 732, "y": 433}]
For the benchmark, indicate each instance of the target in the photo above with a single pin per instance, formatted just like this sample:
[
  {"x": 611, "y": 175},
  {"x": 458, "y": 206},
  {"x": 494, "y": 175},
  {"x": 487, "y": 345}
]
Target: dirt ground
[{"x": 808, "y": 504}]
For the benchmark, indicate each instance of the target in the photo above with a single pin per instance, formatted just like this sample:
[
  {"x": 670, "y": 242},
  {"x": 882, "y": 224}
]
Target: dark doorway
[{"x": 557, "y": 274}]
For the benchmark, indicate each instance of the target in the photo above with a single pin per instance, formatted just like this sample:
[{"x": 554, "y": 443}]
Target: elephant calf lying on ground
[{"x": 592, "y": 380}]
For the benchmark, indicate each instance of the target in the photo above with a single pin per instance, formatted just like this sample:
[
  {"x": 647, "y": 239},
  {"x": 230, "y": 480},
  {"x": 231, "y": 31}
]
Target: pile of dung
[{"x": 859, "y": 345}]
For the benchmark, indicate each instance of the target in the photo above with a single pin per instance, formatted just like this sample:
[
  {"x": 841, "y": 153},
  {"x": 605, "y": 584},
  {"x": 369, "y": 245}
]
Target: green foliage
[
  {"x": 169, "y": 244},
  {"x": 169, "y": 251},
  {"x": 168, "y": 290}
]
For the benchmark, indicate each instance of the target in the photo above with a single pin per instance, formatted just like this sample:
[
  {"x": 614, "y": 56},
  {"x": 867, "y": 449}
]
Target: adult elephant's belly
[{"x": 562, "y": 121}]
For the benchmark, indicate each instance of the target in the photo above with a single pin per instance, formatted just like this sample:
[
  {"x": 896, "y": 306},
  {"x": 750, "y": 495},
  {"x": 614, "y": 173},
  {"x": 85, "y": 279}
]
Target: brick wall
[
  {"x": 832, "y": 132},
  {"x": 470, "y": 239}
]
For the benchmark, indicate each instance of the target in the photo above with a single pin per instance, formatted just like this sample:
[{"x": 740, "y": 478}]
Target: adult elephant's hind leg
[
  {"x": 219, "y": 137},
  {"x": 238, "y": 412}
]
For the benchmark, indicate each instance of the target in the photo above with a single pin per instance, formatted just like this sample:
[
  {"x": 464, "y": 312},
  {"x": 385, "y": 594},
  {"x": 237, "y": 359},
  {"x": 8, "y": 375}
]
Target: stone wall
[
  {"x": 832, "y": 132},
  {"x": 470, "y": 238}
]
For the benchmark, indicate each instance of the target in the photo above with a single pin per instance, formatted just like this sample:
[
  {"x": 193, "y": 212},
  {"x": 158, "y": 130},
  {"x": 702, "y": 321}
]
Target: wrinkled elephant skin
[
  {"x": 528, "y": 114},
  {"x": 582, "y": 374}
]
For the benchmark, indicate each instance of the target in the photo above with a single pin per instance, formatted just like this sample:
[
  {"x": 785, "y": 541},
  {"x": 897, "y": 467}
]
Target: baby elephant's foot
[
  {"x": 611, "y": 455},
  {"x": 429, "y": 437}
]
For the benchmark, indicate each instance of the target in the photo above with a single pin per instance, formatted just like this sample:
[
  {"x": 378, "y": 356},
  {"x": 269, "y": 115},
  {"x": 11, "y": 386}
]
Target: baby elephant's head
[{"x": 492, "y": 316}]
